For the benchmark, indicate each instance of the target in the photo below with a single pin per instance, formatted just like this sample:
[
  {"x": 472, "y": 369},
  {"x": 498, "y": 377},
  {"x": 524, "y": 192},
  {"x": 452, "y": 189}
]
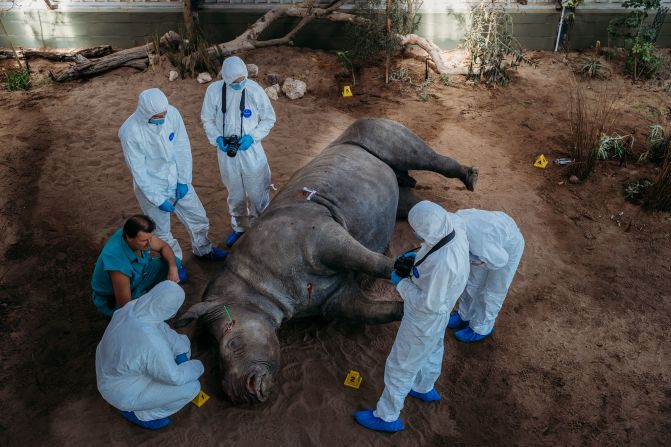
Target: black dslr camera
[
  {"x": 233, "y": 145},
  {"x": 403, "y": 265}
]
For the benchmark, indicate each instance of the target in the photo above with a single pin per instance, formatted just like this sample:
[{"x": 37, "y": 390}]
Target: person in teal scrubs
[{"x": 126, "y": 270}]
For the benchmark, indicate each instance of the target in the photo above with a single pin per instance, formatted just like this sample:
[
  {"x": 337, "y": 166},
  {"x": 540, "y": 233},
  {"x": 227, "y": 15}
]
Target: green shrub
[
  {"x": 635, "y": 190},
  {"x": 592, "y": 68},
  {"x": 18, "y": 79},
  {"x": 655, "y": 143}
]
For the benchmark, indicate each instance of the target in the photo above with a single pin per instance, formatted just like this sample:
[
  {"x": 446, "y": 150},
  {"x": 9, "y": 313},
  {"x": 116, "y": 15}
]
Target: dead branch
[
  {"x": 246, "y": 41},
  {"x": 84, "y": 68},
  {"x": 58, "y": 57}
]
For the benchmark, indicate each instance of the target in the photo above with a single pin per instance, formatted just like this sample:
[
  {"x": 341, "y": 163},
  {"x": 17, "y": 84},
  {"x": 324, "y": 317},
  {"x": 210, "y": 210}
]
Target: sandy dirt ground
[{"x": 580, "y": 355}]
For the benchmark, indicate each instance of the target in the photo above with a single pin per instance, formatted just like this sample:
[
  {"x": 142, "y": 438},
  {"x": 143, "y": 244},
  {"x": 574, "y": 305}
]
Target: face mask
[
  {"x": 239, "y": 85},
  {"x": 157, "y": 121}
]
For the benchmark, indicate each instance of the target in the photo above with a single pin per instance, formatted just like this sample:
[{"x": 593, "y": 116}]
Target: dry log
[
  {"x": 121, "y": 58},
  {"x": 58, "y": 57},
  {"x": 140, "y": 64}
]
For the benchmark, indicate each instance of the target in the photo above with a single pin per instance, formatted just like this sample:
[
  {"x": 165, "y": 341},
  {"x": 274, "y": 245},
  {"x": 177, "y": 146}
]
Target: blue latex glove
[
  {"x": 181, "y": 191},
  {"x": 410, "y": 254},
  {"x": 221, "y": 145},
  {"x": 246, "y": 142},
  {"x": 181, "y": 358},
  {"x": 395, "y": 279},
  {"x": 167, "y": 207}
]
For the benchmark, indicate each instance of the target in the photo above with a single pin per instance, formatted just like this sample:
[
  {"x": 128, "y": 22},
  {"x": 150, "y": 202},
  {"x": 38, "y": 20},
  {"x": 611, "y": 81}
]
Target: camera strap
[
  {"x": 441, "y": 243},
  {"x": 223, "y": 109}
]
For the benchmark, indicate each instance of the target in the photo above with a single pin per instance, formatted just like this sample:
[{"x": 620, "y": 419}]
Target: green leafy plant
[
  {"x": 592, "y": 68},
  {"x": 656, "y": 143},
  {"x": 18, "y": 79},
  {"x": 635, "y": 190},
  {"x": 402, "y": 76},
  {"x": 638, "y": 37},
  {"x": 422, "y": 90},
  {"x": 491, "y": 45},
  {"x": 610, "y": 146},
  {"x": 378, "y": 37},
  {"x": 445, "y": 79},
  {"x": 191, "y": 56},
  {"x": 345, "y": 59}
]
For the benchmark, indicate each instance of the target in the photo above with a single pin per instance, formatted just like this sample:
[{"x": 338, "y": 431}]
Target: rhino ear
[{"x": 193, "y": 313}]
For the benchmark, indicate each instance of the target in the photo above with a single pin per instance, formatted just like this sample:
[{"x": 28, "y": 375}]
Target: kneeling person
[
  {"x": 142, "y": 365},
  {"x": 125, "y": 269}
]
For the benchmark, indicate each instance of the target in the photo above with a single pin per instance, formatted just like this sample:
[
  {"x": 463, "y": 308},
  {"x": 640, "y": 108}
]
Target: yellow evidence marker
[
  {"x": 346, "y": 91},
  {"x": 353, "y": 379},
  {"x": 200, "y": 399},
  {"x": 541, "y": 162}
]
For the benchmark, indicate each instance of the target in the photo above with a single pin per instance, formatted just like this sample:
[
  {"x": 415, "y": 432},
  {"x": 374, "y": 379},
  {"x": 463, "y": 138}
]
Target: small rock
[
  {"x": 252, "y": 70},
  {"x": 273, "y": 91},
  {"x": 203, "y": 78},
  {"x": 294, "y": 88},
  {"x": 173, "y": 75},
  {"x": 574, "y": 179}
]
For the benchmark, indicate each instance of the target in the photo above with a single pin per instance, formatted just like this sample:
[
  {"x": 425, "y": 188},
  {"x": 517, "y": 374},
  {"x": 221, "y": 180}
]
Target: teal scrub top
[{"x": 118, "y": 256}]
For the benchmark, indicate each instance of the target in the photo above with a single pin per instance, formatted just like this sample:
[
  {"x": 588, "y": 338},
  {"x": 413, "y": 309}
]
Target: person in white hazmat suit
[
  {"x": 246, "y": 117},
  {"x": 142, "y": 365},
  {"x": 496, "y": 246},
  {"x": 158, "y": 153},
  {"x": 429, "y": 294}
]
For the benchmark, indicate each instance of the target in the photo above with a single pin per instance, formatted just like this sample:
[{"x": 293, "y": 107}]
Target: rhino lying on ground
[{"x": 329, "y": 224}]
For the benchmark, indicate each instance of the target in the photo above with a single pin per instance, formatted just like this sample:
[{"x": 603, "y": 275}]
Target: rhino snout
[{"x": 259, "y": 383}]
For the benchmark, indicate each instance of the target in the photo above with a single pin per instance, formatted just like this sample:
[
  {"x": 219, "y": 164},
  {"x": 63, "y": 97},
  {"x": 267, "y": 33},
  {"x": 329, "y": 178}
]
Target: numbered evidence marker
[
  {"x": 346, "y": 91},
  {"x": 353, "y": 379},
  {"x": 200, "y": 399},
  {"x": 541, "y": 162}
]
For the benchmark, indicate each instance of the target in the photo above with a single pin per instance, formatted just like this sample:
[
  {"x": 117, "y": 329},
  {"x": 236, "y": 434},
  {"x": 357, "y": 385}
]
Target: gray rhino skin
[{"x": 305, "y": 252}]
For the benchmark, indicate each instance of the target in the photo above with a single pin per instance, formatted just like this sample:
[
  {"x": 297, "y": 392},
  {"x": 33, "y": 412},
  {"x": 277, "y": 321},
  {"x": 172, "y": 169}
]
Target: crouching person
[
  {"x": 125, "y": 269},
  {"x": 143, "y": 367}
]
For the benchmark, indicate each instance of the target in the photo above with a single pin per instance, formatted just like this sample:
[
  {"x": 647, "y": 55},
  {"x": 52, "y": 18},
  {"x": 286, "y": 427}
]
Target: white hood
[{"x": 232, "y": 68}]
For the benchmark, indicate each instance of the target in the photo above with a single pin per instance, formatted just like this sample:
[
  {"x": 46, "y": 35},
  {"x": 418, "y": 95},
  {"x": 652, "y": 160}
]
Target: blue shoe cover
[
  {"x": 150, "y": 425},
  {"x": 183, "y": 277},
  {"x": 368, "y": 420},
  {"x": 468, "y": 336},
  {"x": 456, "y": 322},
  {"x": 232, "y": 238},
  {"x": 217, "y": 254},
  {"x": 430, "y": 396}
]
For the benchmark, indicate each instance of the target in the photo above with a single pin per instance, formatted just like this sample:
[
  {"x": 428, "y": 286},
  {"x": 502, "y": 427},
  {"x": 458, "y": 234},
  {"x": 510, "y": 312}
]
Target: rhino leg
[
  {"x": 353, "y": 303},
  {"x": 403, "y": 150},
  {"x": 340, "y": 251},
  {"x": 406, "y": 200}
]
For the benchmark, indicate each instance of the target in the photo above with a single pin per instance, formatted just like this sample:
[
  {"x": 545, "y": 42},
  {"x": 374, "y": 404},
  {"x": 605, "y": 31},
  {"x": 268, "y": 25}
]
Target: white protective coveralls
[
  {"x": 159, "y": 157},
  {"x": 135, "y": 360},
  {"x": 416, "y": 357},
  {"x": 496, "y": 246},
  {"x": 247, "y": 175}
]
